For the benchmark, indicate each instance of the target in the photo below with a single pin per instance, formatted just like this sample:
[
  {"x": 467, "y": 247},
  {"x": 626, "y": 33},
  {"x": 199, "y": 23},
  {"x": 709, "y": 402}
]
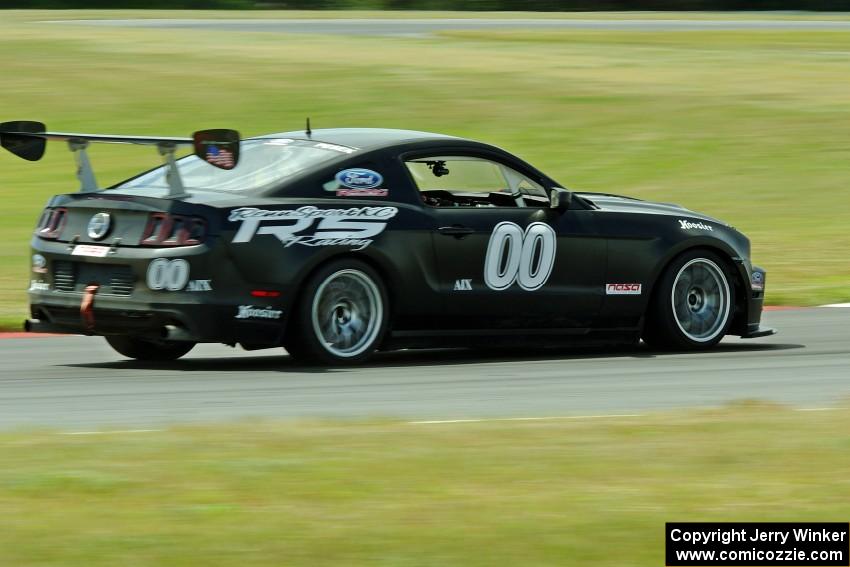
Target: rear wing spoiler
[{"x": 28, "y": 140}]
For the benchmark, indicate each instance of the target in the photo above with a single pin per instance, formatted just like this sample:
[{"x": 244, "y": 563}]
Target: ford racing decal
[
  {"x": 359, "y": 183},
  {"x": 344, "y": 192},
  {"x": 354, "y": 227},
  {"x": 359, "y": 178}
]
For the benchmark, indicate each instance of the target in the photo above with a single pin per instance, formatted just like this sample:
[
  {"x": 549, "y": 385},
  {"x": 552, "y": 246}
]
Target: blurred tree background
[{"x": 494, "y": 5}]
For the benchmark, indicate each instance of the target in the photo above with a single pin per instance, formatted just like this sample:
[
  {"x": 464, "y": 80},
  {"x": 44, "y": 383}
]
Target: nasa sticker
[{"x": 359, "y": 183}]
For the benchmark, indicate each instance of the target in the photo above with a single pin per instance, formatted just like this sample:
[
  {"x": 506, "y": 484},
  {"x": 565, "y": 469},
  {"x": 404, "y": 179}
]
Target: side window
[{"x": 465, "y": 181}]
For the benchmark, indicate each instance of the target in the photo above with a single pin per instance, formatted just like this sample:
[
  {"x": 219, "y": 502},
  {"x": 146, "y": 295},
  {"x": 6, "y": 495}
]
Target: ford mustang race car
[{"x": 335, "y": 243}]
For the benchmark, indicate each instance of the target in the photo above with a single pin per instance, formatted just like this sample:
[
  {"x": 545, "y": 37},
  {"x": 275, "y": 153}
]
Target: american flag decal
[{"x": 220, "y": 157}]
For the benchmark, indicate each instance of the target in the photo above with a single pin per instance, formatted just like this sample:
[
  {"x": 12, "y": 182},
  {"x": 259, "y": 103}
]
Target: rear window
[{"x": 263, "y": 164}]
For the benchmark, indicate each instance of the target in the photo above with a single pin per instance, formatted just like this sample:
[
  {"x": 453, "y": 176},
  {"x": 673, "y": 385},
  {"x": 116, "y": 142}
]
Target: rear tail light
[
  {"x": 164, "y": 229},
  {"x": 51, "y": 223}
]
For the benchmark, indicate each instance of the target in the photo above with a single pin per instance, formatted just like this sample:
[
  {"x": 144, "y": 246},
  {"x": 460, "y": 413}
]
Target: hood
[{"x": 622, "y": 204}]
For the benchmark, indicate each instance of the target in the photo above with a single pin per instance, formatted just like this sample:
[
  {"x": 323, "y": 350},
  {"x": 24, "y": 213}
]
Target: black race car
[{"x": 335, "y": 243}]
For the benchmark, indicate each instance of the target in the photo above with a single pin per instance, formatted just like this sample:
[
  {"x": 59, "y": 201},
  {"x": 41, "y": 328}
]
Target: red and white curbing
[{"x": 25, "y": 335}]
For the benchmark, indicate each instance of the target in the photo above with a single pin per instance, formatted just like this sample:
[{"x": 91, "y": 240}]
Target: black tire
[
  {"x": 147, "y": 349},
  {"x": 341, "y": 317},
  {"x": 692, "y": 304}
]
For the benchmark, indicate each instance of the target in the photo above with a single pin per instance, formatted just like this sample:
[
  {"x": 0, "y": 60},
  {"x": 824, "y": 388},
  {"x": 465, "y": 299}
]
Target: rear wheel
[
  {"x": 148, "y": 349},
  {"x": 342, "y": 316},
  {"x": 692, "y": 305}
]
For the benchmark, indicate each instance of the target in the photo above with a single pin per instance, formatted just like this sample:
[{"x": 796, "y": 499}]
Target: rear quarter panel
[{"x": 402, "y": 252}]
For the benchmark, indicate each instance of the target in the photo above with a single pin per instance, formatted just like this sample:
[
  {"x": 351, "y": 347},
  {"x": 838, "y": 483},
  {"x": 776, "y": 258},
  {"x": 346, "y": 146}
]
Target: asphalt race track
[
  {"x": 78, "y": 383},
  {"x": 424, "y": 27}
]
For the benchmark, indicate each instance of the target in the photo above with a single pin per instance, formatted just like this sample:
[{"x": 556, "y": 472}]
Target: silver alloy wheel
[
  {"x": 347, "y": 313},
  {"x": 700, "y": 300}
]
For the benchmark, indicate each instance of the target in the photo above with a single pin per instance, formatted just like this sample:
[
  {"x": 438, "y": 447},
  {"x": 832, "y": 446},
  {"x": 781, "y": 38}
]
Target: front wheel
[
  {"x": 692, "y": 305},
  {"x": 342, "y": 316},
  {"x": 147, "y": 349}
]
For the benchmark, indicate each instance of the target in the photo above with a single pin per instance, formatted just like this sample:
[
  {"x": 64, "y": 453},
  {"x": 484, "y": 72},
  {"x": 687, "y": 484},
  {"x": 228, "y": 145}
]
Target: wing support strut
[
  {"x": 85, "y": 173},
  {"x": 88, "y": 181},
  {"x": 176, "y": 189}
]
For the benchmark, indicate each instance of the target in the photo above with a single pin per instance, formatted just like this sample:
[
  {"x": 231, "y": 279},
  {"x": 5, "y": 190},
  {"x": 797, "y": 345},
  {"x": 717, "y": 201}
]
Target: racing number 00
[
  {"x": 514, "y": 255},
  {"x": 172, "y": 275}
]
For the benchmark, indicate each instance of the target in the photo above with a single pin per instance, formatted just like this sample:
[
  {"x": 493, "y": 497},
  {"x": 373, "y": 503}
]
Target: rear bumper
[
  {"x": 215, "y": 306},
  {"x": 213, "y": 323},
  {"x": 168, "y": 332}
]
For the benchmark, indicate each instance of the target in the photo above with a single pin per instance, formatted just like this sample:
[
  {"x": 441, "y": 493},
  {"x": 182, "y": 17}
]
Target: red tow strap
[{"x": 87, "y": 306}]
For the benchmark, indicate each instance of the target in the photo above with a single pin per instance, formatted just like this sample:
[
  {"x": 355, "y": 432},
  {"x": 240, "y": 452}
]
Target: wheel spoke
[
  {"x": 357, "y": 326},
  {"x": 346, "y": 337},
  {"x": 329, "y": 331},
  {"x": 683, "y": 313},
  {"x": 684, "y": 282},
  {"x": 701, "y": 324}
]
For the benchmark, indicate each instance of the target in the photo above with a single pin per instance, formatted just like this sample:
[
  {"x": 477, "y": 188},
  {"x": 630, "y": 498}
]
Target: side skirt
[{"x": 487, "y": 338}]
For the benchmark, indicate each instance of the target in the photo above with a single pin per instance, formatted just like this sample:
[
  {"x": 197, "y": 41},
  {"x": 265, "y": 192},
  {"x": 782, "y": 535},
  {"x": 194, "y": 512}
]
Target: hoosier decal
[
  {"x": 251, "y": 312},
  {"x": 688, "y": 225}
]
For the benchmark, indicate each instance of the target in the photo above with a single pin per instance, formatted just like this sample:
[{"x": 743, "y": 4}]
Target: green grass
[
  {"x": 556, "y": 492},
  {"x": 751, "y": 127},
  {"x": 424, "y": 14}
]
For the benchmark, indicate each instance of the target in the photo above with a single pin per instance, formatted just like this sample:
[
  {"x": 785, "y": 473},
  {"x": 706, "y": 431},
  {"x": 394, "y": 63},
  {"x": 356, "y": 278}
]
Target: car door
[{"x": 505, "y": 258}]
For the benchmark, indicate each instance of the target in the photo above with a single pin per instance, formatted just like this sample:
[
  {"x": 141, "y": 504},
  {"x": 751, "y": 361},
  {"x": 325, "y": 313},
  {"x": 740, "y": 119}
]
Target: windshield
[{"x": 263, "y": 164}]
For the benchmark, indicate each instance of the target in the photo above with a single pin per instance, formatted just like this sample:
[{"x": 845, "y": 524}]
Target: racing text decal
[{"x": 354, "y": 227}]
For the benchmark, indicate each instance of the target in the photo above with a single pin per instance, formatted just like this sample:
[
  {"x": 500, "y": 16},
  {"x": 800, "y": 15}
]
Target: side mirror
[
  {"x": 560, "y": 199},
  {"x": 217, "y": 147}
]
